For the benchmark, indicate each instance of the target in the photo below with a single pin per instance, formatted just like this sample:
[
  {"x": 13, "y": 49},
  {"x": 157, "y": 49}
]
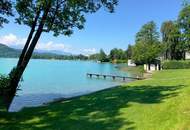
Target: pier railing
[{"x": 113, "y": 76}]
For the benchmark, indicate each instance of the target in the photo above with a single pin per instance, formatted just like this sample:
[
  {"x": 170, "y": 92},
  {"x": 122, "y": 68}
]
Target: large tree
[
  {"x": 147, "y": 46},
  {"x": 117, "y": 54},
  {"x": 171, "y": 38},
  {"x": 148, "y": 33},
  {"x": 5, "y": 10},
  {"x": 129, "y": 51},
  {"x": 58, "y": 16},
  {"x": 184, "y": 24},
  {"x": 102, "y": 56}
]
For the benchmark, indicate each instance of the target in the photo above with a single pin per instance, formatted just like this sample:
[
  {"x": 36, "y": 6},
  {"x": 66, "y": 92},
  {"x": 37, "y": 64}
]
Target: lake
[{"x": 48, "y": 80}]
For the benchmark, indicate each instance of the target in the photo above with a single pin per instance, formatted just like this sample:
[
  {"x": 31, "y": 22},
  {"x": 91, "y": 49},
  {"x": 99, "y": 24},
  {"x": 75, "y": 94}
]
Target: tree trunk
[
  {"x": 29, "y": 39},
  {"x": 15, "y": 76},
  {"x": 19, "y": 70}
]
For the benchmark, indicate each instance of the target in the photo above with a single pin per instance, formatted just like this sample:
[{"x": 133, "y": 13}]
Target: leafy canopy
[
  {"x": 5, "y": 10},
  {"x": 102, "y": 56},
  {"x": 147, "y": 46},
  {"x": 184, "y": 24},
  {"x": 148, "y": 33},
  {"x": 116, "y": 54},
  {"x": 63, "y": 15},
  {"x": 172, "y": 39}
]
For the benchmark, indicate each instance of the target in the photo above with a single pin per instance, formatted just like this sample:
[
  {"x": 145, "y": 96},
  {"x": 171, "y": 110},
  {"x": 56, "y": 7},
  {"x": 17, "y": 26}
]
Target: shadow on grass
[{"x": 98, "y": 111}]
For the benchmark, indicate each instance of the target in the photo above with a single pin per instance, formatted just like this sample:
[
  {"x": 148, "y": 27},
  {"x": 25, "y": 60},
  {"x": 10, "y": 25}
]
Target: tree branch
[{"x": 29, "y": 38}]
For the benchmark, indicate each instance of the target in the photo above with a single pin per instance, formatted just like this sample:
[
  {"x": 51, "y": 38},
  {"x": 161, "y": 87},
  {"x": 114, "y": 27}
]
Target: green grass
[
  {"x": 137, "y": 70},
  {"x": 160, "y": 103}
]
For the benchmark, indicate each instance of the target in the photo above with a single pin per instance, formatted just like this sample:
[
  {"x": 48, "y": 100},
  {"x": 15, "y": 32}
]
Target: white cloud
[
  {"x": 12, "y": 40},
  {"x": 88, "y": 51},
  {"x": 17, "y": 42},
  {"x": 51, "y": 46}
]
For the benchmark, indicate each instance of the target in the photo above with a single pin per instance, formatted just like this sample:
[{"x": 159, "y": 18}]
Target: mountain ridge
[{"x": 9, "y": 52}]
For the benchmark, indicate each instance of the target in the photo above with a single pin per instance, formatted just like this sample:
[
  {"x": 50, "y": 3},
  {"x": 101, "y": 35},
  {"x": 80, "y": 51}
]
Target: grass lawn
[
  {"x": 160, "y": 103},
  {"x": 138, "y": 70}
]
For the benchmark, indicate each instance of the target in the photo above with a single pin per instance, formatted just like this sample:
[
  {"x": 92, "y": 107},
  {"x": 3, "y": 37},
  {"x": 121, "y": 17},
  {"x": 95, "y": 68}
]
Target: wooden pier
[{"x": 113, "y": 76}]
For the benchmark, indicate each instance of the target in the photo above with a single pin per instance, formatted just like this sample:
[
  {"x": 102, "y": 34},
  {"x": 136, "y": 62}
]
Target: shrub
[
  {"x": 4, "y": 83},
  {"x": 185, "y": 64},
  {"x": 119, "y": 61}
]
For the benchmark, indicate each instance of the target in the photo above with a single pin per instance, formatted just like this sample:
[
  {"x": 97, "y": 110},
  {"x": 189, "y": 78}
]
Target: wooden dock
[{"x": 113, "y": 76}]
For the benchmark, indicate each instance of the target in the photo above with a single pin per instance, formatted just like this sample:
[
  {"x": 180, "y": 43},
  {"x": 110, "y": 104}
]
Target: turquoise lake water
[{"x": 48, "y": 80}]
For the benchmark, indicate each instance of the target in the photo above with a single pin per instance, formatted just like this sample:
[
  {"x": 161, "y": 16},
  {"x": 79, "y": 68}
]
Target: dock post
[
  {"x": 123, "y": 78},
  {"x": 113, "y": 77},
  {"x": 104, "y": 76}
]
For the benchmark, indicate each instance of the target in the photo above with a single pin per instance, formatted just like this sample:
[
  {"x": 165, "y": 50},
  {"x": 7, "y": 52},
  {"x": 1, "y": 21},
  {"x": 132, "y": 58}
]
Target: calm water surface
[{"x": 48, "y": 80}]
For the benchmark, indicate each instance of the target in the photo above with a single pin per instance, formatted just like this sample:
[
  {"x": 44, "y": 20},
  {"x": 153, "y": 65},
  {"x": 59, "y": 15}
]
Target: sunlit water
[{"x": 48, "y": 80}]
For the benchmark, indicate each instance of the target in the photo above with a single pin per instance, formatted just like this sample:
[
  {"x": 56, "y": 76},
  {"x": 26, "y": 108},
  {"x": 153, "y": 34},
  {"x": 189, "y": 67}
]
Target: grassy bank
[
  {"x": 160, "y": 103},
  {"x": 137, "y": 70}
]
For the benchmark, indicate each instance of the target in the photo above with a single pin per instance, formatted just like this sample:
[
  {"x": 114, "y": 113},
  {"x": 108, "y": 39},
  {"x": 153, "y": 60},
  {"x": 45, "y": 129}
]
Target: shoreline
[
  {"x": 62, "y": 99},
  {"x": 78, "y": 96},
  {"x": 70, "y": 97}
]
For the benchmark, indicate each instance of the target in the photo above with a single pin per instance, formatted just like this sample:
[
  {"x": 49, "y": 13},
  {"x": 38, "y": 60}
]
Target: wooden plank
[{"x": 112, "y": 76}]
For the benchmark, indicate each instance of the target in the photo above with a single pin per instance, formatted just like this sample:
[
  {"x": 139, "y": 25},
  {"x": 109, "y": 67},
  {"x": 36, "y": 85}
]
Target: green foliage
[
  {"x": 63, "y": 15},
  {"x": 118, "y": 61},
  {"x": 134, "y": 71},
  {"x": 144, "y": 53},
  {"x": 5, "y": 10},
  {"x": 129, "y": 51},
  {"x": 58, "y": 57},
  {"x": 94, "y": 56},
  {"x": 102, "y": 56},
  {"x": 147, "y": 46},
  {"x": 184, "y": 22},
  {"x": 117, "y": 54},
  {"x": 172, "y": 40},
  {"x": 174, "y": 64},
  {"x": 148, "y": 33},
  {"x": 4, "y": 82}
]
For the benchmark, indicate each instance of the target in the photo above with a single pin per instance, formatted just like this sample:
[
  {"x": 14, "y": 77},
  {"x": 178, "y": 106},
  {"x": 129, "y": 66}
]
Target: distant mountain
[
  {"x": 6, "y": 51},
  {"x": 53, "y": 52}
]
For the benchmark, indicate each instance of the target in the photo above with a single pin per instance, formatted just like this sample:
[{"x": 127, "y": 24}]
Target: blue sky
[{"x": 102, "y": 29}]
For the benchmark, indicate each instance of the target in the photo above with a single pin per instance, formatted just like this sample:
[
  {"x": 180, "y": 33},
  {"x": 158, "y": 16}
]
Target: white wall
[
  {"x": 131, "y": 63},
  {"x": 187, "y": 55},
  {"x": 152, "y": 67}
]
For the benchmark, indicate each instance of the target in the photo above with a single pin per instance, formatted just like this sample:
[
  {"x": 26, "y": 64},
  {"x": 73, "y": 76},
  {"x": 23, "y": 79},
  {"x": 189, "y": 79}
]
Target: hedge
[{"x": 174, "y": 64}]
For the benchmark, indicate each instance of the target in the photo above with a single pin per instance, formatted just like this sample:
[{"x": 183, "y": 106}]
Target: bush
[
  {"x": 117, "y": 61},
  {"x": 4, "y": 83},
  {"x": 176, "y": 64}
]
